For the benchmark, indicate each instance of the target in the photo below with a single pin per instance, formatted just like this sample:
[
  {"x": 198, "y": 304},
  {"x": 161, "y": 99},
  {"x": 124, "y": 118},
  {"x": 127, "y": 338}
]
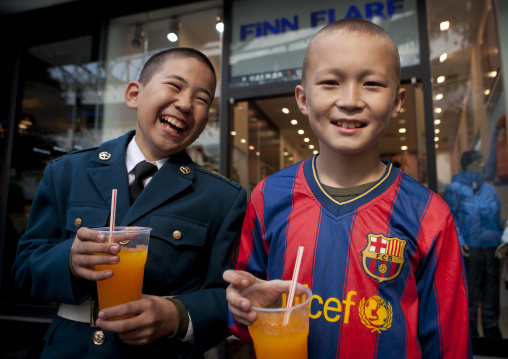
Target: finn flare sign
[
  {"x": 269, "y": 37},
  {"x": 381, "y": 10}
]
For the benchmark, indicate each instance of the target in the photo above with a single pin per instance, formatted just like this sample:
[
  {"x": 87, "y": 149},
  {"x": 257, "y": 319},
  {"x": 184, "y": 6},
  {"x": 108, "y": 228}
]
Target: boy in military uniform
[{"x": 195, "y": 214}]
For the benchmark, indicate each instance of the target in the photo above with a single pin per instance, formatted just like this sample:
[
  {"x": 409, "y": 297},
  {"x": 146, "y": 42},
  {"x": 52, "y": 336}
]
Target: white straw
[
  {"x": 294, "y": 280},
  {"x": 112, "y": 215}
]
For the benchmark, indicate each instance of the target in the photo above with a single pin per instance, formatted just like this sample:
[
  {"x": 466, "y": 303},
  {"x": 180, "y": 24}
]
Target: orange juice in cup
[
  {"x": 272, "y": 339},
  {"x": 127, "y": 281}
]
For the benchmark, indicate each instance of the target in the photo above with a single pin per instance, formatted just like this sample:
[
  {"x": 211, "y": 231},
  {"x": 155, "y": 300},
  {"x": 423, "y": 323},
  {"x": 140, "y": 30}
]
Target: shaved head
[{"x": 353, "y": 25}]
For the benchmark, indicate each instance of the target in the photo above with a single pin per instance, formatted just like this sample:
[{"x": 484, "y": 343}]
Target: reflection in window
[
  {"x": 57, "y": 116},
  {"x": 470, "y": 115}
]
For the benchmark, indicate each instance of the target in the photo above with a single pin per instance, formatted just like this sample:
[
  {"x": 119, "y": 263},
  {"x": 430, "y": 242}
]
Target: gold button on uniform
[
  {"x": 177, "y": 234},
  {"x": 98, "y": 337},
  {"x": 185, "y": 170},
  {"x": 78, "y": 222}
]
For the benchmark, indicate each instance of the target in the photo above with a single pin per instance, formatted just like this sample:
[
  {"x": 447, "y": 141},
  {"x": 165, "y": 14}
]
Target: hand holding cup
[
  {"x": 84, "y": 254},
  {"x": 280, "y": 331}
]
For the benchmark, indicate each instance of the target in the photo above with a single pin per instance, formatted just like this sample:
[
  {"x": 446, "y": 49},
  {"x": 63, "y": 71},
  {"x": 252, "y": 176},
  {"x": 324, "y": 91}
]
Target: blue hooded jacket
[{"x": 477, "y": 213}]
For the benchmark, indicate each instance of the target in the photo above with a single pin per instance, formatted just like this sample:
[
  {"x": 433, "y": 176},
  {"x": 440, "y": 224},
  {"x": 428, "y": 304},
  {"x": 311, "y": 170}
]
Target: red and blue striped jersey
[{"x": 385, "y": 267}]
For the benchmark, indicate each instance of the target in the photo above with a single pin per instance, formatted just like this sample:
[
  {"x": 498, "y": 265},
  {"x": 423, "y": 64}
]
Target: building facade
[{"x": 67, "y": 64}]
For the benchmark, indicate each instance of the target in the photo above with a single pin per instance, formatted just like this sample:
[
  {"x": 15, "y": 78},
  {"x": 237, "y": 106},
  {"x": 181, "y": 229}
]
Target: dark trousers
[{"x": 482, "y": 269}]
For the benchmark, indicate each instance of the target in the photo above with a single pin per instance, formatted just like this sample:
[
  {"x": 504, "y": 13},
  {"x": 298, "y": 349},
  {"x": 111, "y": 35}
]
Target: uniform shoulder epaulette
[
  {"x": 217, "y": 174},
  {"x": 88, "y": 149}
]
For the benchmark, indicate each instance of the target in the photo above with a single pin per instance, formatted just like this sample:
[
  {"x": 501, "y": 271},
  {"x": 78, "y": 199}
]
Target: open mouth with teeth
[
  {"x": 348, "y": 124},
  {"x": 172, "y": 124}
]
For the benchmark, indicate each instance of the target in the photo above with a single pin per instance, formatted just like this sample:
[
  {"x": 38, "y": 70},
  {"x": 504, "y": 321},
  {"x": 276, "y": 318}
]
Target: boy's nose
[
  {"x": 183, "y": 103},
  {"x": 350, "y": 97}
]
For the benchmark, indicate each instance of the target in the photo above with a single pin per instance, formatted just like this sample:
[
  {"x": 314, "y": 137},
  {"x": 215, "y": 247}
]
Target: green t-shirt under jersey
[{"x": 343, "y": 194}]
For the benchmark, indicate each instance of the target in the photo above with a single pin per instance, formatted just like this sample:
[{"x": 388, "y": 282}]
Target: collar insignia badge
[{"x": 104, "y": 156}]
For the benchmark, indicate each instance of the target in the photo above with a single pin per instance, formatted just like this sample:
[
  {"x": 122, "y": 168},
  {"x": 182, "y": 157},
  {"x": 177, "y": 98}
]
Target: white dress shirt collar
[{"x": 134, "y": 155}]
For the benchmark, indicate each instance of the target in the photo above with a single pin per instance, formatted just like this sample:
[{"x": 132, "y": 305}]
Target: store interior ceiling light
[
  {"x": 173, "y": 30},
  {"x": 219, "y": 25},
  {"x": 445, "y": 25}
]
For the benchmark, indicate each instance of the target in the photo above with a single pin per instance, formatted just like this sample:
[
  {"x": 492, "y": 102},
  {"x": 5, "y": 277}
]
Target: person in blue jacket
[
  {"x": 195, "y": 215},
  {"x": 476, "y": 209}
]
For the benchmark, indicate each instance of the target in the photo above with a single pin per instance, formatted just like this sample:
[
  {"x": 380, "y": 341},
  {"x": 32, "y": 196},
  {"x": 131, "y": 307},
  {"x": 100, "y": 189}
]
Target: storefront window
[
  {"x": 470, "y": 115},
  {"x": 58, "y": 110}
]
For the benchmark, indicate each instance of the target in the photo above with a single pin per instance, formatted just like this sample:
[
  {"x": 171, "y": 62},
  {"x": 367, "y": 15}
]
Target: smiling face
[
  {"x": 172, "y": 107},
  {"x": 350, "y": 91}
]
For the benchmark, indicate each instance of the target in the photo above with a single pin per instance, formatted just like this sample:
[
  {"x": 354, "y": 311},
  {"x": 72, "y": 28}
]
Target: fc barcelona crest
[{"x": 383, "y": 257}]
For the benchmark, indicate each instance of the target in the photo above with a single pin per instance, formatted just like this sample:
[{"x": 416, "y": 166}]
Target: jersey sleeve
[
  {"x": 252, "y": 254},
  {"x": 443, "y": 320}
]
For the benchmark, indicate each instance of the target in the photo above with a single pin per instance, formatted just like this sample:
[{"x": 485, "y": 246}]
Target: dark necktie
[{"x": 142, "y": 170}]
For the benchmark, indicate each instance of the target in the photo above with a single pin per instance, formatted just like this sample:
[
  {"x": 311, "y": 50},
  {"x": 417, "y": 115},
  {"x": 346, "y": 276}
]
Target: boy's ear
[
  {"x": 399, "y": 101},
  {"x": 301, "y": 99},
  {"x": 132, "y": 93}
]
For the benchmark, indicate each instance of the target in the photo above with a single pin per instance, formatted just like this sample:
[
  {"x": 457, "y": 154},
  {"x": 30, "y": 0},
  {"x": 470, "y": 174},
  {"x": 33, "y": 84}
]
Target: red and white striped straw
[
  {"x": 294, "y": 280},
  {"x": 112, "y": 215}
]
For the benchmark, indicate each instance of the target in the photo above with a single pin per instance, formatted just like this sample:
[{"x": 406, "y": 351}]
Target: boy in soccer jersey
[{"x": 381, "y": 251}]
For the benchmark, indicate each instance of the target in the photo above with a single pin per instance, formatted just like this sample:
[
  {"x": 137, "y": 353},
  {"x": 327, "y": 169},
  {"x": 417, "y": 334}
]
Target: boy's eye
[
  {"x": 202, "y": 99},
  {"x": 330, "y": 82},
  {"x": 174, "y": 85},
  {"x": 373, "y": 84}
]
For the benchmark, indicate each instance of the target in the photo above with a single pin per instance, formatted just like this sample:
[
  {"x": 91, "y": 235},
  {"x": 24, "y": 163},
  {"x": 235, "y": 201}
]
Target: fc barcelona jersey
[{"x": 384, "y": 267}]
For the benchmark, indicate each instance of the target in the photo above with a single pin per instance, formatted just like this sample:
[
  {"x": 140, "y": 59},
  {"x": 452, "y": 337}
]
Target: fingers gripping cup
[
  {"x": 272, "y": 339},
  {"x": 127, "y": 281}
]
